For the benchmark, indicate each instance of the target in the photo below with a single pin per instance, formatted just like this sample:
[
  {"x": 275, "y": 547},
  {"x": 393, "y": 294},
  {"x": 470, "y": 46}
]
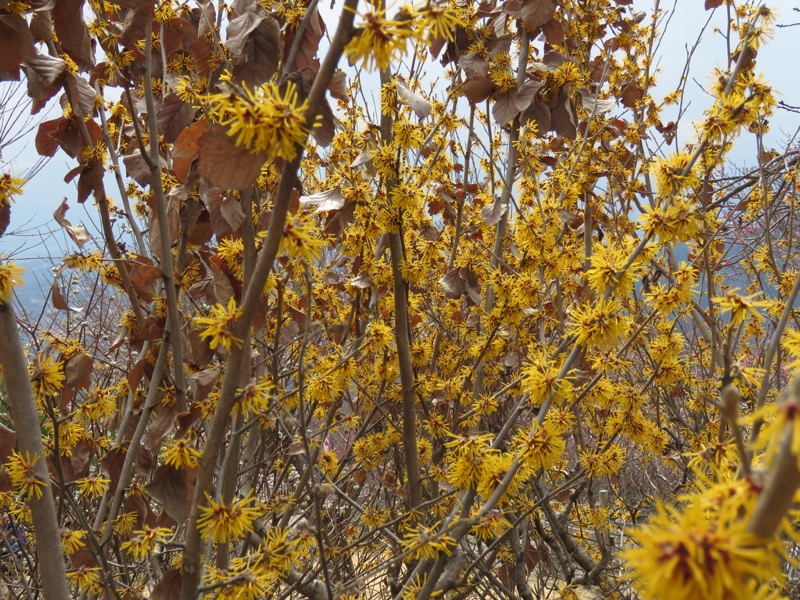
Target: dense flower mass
[{"x": 442, "y": 330}]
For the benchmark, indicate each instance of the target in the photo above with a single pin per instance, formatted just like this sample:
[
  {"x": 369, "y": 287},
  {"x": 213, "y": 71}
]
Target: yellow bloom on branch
[
  {"x": 20, "y": 468},
  {"x": 93, "y": 487},
  {"x": 180, "y": 454},
  {"x": 694, "y": 554},
  {"x": 10, "y": 278},
  {"x": 10, "y": 186},
  {"x": 740, "y": 306},
  {"x": 220, "y": 522},
  {"x": 379, "y": 41},
  {"x": 144, "y": 541},
  {"x": 268, "y": 119},
  {"x": 675, "y": 173},
  {"x": 599, "y": 325},
  {"x": 219, "y": 325},
  {"x": 47, "y": 375}
]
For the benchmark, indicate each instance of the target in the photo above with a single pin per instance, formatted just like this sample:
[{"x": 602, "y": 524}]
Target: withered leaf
[
  {"x": 240, "y": 28},
  {"x": 535, "y": 13},
  {"x": 473, "y": 65},
  {"x": 72, "y": 32},
  {"x": 83, "y": 95},
  {"x": 421, "y": 107},
  {"x": 225, "y": 164},
  {"x": 331, "y": 199},
  {"x": 527, "y": 93},
  {"x": 231, "y": 211},
  {"x": 595, "y": 105},
  {"x": 42, "y": 73},
  {"x": 58, "y": 300},
  {"x": 710, "y": 4},
  {"x": 258, "y": 60},
  {"x": 137, "y": 168},
  {"x": 492, "y": 213},
  {"x": 452, "y": 284},
  {"x": 338, "y": 85},
  {"x": 184, "y": 150},
  {"x": 173, "y": 489},
  {"x": 78, "y": 233},
  {"x": 174, "y": 117},
  {"x": 16, "y": 45},
  {"x": 5, "y": 218},
  {"x": 168, "y": 587},
  {"x": 505, "y": 108},
  {"x": 78, "y": 371}
]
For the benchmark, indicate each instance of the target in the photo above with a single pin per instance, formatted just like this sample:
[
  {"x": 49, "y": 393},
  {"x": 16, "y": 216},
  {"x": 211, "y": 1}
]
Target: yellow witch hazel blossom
[
  {"x": 219, "y": 325},
  {"x": 220, "y": 522},
  {"x": 268, "y": 119},
  {"x": 20, "y": 468},
  {"x": 10, "y": 278},
  {"x": 697, "y": 553},
  {"x": 144, "y": 541}
]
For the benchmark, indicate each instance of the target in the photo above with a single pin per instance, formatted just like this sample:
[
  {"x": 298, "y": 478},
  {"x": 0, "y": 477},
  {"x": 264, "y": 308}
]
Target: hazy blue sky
[{"x": 778, "y": 61}]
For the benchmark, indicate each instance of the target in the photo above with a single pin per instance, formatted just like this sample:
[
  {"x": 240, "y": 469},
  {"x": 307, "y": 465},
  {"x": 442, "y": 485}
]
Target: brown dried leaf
[
  {"x": 137, "y": 168},
  {"x": 452, "y": 284},
  {"x": 258, "y": 61},
  {"x": 338, "y": 85},
  {"x": 223, "y": 290},
  {"x": 168, "y": 587},
  {"x": 58, "y": 300},
  {"x": 5, "y": 218},
  {"x": 16, "y": 45},
  {"x": 535, "y": 13},
  {"x": 78, "y": 371},
  {"x": 173, "y": 489},
  {"x": 78, "y": 233},
  {"x": 231, "y": 211},
  {"x": 225, "y": 164},
  {"x": 711, "y": 4},
  {"x": 473, "y": 65},
  {"x": 174, "y": 117},
  {"x": 505, "y": 108},
  {"x": 42, "y": 73},
  {"x": 184, "y": 150},
  {"x": 72, "y": 32},
  {"x": 83, "y": 95},
  {"x": 307, "y": 52}
]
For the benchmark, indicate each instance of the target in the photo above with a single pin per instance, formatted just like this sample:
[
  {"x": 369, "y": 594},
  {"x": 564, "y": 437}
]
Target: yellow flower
[
  {"x": 221, "y": 523},
  {"x": 94, "y": 487},
  {"x": 263, "y": 120},
  {"x": 541, "y": 449},
  {"x": 219, "y": 325},
  {"x": 144, "y": 541},
  {"x": 10, "y": 277},
  {"x": 694, "y": 554},
  {"x": 470, "y": 458},
  {"x": 739, "y": 306},
  {"x": 380, "y": 40},
  {"x": 423, "y": 543},
  {"x": 9, "y": 187},
  {"x": 180, "y": 454},
  {"x": 675, "y": 173},
  {"x": 20, "y": 468},
  {"x": 72, "y": 540},
  {"x": 47, "y": 375},
  {"x": 87, "y": 579},
  {"x": 598, "y": 326},
  {"x": 440, "y": 20}
]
